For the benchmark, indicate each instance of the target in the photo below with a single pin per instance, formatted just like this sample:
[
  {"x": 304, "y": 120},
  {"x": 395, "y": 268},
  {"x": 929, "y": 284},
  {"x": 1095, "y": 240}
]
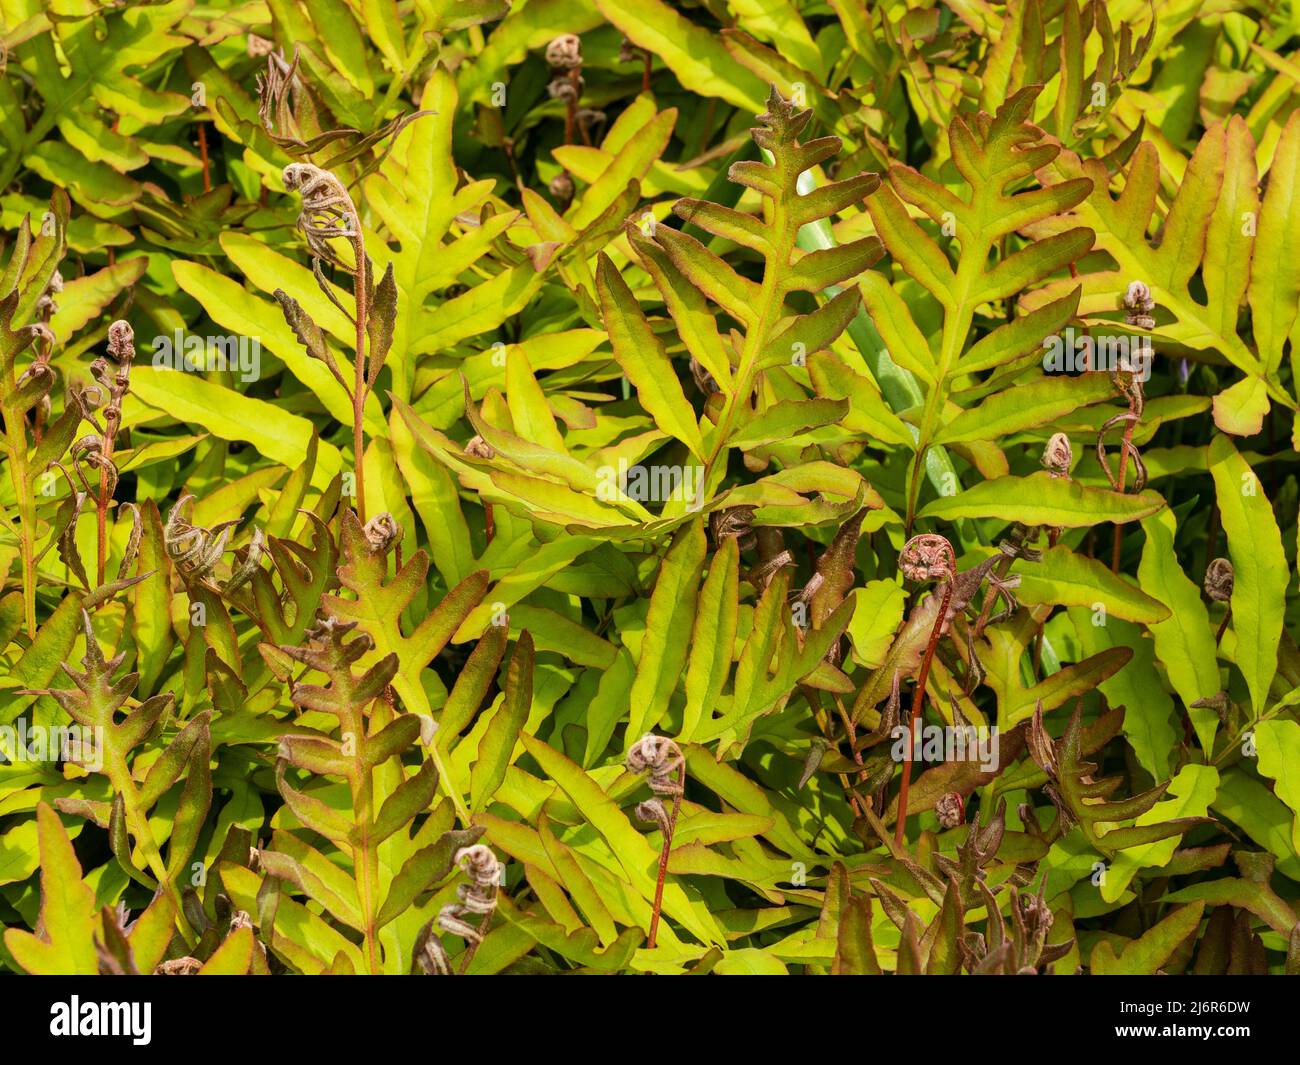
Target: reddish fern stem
[
  {"x": 359, "y": 391},
  {"x": 918, "y": 698},
  {"x": 101, "y": 519},
  {"x": 203, "y": 154},
  {"x": 1223, "y": 627},
  {"x": 663, "y": 860},
  {"x": 1123, "y": 463}
]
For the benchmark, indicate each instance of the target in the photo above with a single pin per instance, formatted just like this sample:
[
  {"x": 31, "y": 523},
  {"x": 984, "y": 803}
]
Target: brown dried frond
[
  {"x": 479, "y": 448},
  {"x": 561, "y": 189},
  {"x": 195, "y": 550},
  {"x": 88, "y": 451},
  {"x": 477, "y": 897},
  {"x": 276, "y": 89},
  {"x": 927, "y": 556},
  {"x": 950, "y": 809},
  {"x": 1058, "y": 455},
  {"x": 382, "y": 533},
  {"x": 662, "y": 757},
  {"x": 186, "y": 966},
  {"x": 734, "y": 521},
  {"x": 565, "y": 52},
  {"x": 328, "y": 212},
  {"x": 1130, "y": 387},
  {"x": 1138, "y": 305},
  {"x": 1219, "y": 579},
  {"x": 565, "y": 87}
]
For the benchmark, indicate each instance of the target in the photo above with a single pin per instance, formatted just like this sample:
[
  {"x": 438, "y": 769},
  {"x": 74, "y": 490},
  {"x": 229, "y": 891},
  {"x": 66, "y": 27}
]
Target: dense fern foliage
[{"x": 493, "y": 486}]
